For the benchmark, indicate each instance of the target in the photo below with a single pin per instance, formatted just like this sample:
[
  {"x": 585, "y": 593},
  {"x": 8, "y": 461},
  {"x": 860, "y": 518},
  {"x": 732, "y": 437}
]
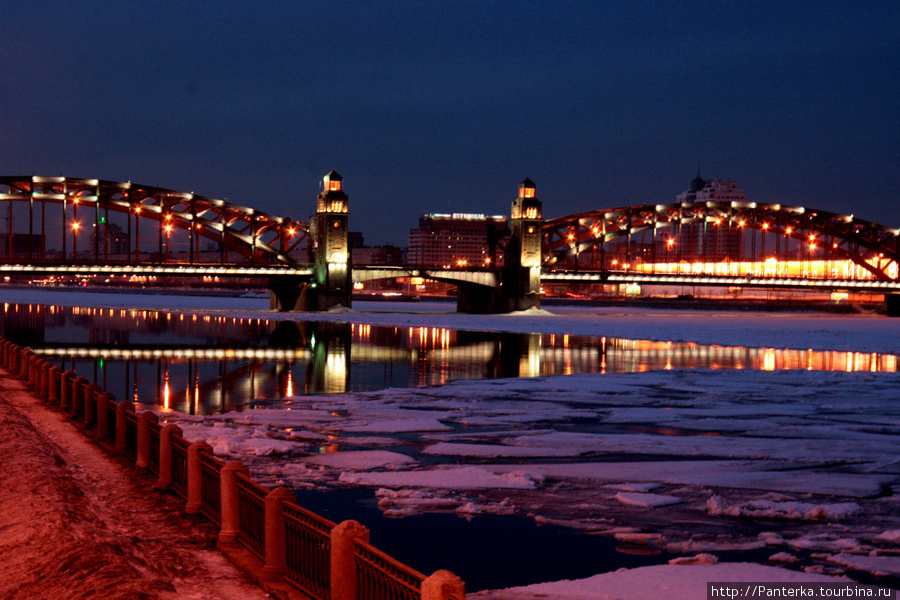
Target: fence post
[
  {"x": 231, "y": 525},
  {"x": 195, "y": 477},
  {"x": 91, "y": 391},
  {"x": 25, "y": 368},
  {"x": 343, "y": 558},
  {"x": 103, "y": 401},
  {"x": 15, "y": 355},
  {"x": 44, "y": 386},
  {"x": 53, "y": 379},
  {"x": 9, "y": 360},
  {"x": 121, "y": 409},
  {"x": 34, "y": 380},
  {"x": 20, "y": 359},
  {"x": 165, "y": 455},
  {"x": 276, "y": 534},
  {"x": 77, "y": 408},
  {"x": 65, "y": 390},
  {"x": 443, "y": 585},
  {"x": 31, "y": 378},
  {"x": 143, "y": 438},
  {"x": 9, "y": 350}
]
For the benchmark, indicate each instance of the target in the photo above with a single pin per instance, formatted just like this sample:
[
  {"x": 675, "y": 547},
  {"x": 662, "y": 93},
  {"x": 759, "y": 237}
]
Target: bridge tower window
[
  {"x": 333, "y": 182},
  {"x": 526, "y": 189}
]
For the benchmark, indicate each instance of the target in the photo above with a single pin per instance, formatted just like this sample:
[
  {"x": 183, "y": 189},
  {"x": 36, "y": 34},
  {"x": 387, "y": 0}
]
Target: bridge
[{"x": 58, "y": 226}]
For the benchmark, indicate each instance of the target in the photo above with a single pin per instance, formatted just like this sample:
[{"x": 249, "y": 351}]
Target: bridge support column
[
  {"x": 289, "y": 294},
  {"x": 892, "y": 304},
  {"x": 330, "y": 246},
  {"x": 329, "y": 251},
  {"x": 521, "y": 276},
  {"x": 479, "y": 299}
]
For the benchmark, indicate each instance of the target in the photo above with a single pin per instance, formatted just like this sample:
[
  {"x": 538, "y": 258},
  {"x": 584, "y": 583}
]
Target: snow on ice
[
  {"x": 643, "y": 452},
  {"x": 673, "y": 582}
]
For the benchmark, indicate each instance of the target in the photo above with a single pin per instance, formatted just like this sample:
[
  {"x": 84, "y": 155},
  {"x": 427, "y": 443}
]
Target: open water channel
[{"x": 207, "y": 364}]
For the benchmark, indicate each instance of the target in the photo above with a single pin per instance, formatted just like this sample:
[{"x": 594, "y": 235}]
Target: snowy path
[{"x": 74, "y": 523}]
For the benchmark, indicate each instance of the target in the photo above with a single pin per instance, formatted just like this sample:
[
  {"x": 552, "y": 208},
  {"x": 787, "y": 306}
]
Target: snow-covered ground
[
  {"x": 75, "y": 523},
  {"x": 805, "y": 464}
]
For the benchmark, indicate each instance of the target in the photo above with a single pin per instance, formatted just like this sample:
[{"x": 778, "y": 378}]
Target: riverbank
[{"x": 79, "y": 524}]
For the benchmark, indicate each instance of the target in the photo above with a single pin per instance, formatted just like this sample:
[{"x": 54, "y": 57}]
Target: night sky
[{"x": 446, "y": 106}]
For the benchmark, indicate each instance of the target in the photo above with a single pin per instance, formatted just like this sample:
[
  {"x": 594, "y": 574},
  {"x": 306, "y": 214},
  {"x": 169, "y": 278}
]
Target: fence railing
[
  {"x": 178, "y": 463},
  {"x": 308, "y": 550},
  {"x": 211, "y": 487},
  {"x": 380, "y": 577},
  {"x": 297, "y": 549},
  {"x": 251, "y": 515}
]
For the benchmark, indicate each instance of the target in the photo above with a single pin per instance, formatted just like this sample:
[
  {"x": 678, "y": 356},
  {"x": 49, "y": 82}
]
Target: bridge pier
[
  {"x": 479, "y": 299},
  {"x": 521, "y": 276},
  {"x": 329, "y": 250},
  {"x": 289, "y": 294},
  {"x": 892, "y": 304}
]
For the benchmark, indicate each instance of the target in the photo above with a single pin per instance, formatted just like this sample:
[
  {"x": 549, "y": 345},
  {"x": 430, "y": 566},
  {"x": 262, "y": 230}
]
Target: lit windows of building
[
  {"x": 710, "y": 240},
  {"x": 451, "y": 240}
]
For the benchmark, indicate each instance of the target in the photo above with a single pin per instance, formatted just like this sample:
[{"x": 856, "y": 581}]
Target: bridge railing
[{"x": 292, "y": 549}]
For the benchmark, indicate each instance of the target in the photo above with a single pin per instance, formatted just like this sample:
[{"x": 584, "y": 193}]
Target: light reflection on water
[{"x": 213, "y": 363}]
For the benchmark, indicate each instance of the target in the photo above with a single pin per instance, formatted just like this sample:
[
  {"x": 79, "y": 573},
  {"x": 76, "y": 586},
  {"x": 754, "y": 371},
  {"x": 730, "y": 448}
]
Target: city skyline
[{"x": 432, "y": 108}]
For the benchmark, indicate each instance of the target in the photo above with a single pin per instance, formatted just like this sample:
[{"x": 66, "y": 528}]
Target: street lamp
[
  {"x": 75, "y": 226},
  {"x": 669, "y": 243}
]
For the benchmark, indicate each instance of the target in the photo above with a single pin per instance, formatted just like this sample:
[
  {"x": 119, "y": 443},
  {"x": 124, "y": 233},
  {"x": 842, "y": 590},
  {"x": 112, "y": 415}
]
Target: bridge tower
[
  {"x": 329, "y": 247},
  {"x": 521, "y": 277},
  {"x": 329, "y": 253}
]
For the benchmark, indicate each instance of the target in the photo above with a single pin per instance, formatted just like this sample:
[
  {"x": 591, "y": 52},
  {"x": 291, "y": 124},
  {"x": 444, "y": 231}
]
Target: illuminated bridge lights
[
  {"x": 635, "y": 232},
  {"x": 254, "y": 235},
  {"x": 186, "y": 353},
  {"x": 174, "y": 270}
]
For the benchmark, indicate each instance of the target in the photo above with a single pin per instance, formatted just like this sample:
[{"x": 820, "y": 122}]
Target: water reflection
[{"x": 208, "y": 364}]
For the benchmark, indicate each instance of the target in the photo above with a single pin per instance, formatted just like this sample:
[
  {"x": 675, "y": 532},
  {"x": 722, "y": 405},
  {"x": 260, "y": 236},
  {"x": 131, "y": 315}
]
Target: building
[
  {"x": 382, "y": 256},
  {"x": 108, "y": 239},
  {"x": 457, "y": 240},
  {"x": 708, "y": 241},
  {"x": 22, "y": 245}
]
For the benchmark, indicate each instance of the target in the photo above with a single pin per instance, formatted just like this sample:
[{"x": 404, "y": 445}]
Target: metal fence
[
  {"x": 154, "y": 430},
  {"x": 252, "y": 515},
  {"x": 210, "y": 488},
  {"x": 110, "y": 420},
  {"x": 308, "y": 550},
  {"x": 131, "y": 434},
  {"x": 380, "y": 577},
  {"x": 302, "y": 549},
  {"x": 179, "y": 465}
]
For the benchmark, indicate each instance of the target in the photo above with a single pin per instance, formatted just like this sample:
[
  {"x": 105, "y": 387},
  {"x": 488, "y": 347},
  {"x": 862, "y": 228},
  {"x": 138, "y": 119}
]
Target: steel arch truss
[
  {"x": 869, "y": 245},
  {"x": 257, "y": 236}
]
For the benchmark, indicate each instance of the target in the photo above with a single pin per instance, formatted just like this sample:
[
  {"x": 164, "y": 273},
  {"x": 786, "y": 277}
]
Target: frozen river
[{"x": 779, "y": 438}]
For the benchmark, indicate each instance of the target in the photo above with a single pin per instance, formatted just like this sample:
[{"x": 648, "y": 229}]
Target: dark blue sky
[{"x": 445, "y": 106}]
